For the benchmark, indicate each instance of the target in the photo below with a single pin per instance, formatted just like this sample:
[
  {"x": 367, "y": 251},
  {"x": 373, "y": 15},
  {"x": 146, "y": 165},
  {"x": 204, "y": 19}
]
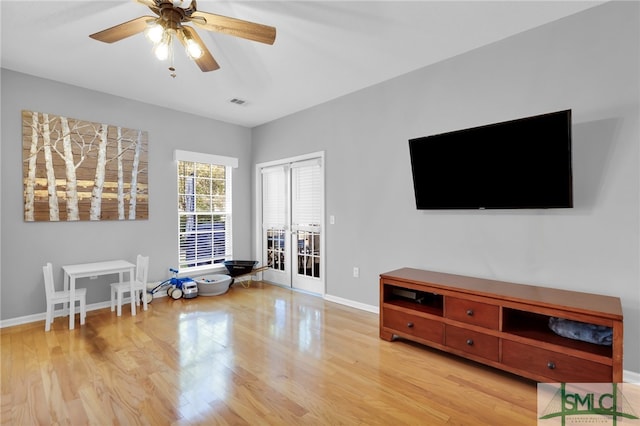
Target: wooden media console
[{"x": 501, "y": 324}]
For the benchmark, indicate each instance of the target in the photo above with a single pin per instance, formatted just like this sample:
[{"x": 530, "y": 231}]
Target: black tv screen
[{"x": 517, "y": 164}]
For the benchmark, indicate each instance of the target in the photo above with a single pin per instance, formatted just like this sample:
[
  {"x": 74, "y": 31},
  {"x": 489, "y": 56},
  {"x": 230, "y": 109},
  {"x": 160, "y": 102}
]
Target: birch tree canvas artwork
[{"x": 79, "y": 170}]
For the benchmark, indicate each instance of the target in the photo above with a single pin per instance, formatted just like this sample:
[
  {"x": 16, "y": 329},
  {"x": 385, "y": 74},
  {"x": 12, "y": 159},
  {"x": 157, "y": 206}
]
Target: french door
[{"x": 292, "y": 241}]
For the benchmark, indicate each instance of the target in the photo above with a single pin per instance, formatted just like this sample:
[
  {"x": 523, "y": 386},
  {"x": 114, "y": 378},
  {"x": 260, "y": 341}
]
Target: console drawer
[
  {"x": 471, "y": 312},
  {"x": 472, "y": 342},
  {"x": 554, "y": 365},
  {"x": 413, "y": 325}
]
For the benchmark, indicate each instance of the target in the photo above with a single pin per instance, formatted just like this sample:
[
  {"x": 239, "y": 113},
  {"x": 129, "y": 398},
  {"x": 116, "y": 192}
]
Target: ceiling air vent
[{"x": 238, "y": 101}]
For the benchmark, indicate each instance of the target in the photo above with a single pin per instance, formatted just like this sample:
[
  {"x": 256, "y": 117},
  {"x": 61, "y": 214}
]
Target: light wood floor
[{"x": 257, "y": 355}]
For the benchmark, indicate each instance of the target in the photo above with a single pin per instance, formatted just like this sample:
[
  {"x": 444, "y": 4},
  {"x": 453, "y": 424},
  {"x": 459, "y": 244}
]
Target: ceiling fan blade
[
  {"x": 124, "y": 30},
  {"x": 206, "y": 61},
  {"x": 234, "y": 27}
]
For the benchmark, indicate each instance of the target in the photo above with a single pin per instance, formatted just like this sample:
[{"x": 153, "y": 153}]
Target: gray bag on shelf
[{"x": 592, "y": 333}]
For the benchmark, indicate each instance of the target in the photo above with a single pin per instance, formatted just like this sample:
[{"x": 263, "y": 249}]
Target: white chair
[
  {"x": 60, "y": 297},
  {"x": 139, "y": 286}
]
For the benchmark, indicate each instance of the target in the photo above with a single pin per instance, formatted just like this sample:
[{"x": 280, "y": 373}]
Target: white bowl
[{"x": 213, "y": 285}]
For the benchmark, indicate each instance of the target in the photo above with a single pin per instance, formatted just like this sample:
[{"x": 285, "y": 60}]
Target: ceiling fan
[{"x": 169, "y": 24}]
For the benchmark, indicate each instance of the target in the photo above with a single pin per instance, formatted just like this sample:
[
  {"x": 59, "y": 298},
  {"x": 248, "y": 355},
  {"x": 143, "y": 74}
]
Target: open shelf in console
[
  {"x": 535, "y": 326},
  {"x": 416, "y": 300}
]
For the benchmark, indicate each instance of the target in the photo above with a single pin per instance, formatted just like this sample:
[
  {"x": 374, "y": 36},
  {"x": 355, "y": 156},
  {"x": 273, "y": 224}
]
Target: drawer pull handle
[
  {"x": 410, "y": 324},
  {"x": 470, "y": 312},
  {"x": 470, "y": 342},
  {"x": 551, "y": 365}
]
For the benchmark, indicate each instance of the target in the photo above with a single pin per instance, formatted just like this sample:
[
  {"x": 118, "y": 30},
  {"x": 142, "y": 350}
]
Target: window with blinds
[{"x": 204, "y": 210}]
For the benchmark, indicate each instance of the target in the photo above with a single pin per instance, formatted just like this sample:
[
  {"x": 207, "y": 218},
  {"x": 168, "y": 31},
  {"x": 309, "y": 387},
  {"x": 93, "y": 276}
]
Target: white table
[{"x": 83, "y": 270}]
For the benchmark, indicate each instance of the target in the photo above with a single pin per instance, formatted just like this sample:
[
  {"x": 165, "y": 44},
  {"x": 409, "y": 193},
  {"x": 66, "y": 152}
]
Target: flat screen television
[{"x": 517, "y": 164}]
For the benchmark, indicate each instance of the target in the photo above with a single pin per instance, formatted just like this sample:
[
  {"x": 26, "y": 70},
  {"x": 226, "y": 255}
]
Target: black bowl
[{"x": 239, "y": 267}]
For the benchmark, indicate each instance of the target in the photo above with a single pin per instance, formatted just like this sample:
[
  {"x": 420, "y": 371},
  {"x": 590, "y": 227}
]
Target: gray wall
[
  {"x": 27, "y": 246},
  {"x": 587, "y": 62}
]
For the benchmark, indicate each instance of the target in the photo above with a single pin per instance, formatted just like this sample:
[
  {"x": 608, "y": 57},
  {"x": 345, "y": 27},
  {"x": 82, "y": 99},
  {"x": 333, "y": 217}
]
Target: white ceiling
[{"x": 323, "y": 49}]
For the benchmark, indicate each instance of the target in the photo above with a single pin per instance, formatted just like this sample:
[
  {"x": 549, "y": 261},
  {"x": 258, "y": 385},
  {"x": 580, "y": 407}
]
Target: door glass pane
[
  {"x": 309, "y": 253},
  {"x": 275, "y": 248}
]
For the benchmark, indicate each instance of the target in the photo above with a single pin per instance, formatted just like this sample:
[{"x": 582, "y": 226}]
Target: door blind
[
  {"x": 306, "y": 207},
  {"x": 274, "y": 202}
]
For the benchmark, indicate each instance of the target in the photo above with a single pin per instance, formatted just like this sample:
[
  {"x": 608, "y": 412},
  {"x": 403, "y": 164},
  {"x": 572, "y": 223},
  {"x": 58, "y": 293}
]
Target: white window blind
[
  {"x": 306, "y": 180},
  {"x": 274, "y": 202}
]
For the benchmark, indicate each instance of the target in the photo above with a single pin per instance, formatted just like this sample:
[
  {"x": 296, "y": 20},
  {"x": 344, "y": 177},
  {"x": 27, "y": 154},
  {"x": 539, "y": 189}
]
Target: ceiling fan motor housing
[{"x": 170, "y": 15}]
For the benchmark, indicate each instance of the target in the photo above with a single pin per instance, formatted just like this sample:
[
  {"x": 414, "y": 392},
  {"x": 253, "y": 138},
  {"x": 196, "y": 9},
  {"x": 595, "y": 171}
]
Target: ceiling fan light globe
[
  {"x": 154, "y": 33},
  {"x": 193, "y": 49},
  {"x": 162, "y": 51}
]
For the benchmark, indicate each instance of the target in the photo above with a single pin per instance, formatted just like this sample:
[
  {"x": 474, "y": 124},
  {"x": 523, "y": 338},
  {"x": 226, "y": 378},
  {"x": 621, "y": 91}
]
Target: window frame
[{"x": 214, "y": 260}]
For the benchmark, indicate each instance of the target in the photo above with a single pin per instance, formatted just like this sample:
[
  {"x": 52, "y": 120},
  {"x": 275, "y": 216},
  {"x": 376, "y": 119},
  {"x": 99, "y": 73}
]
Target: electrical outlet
[{"x": 356, "y": 272}]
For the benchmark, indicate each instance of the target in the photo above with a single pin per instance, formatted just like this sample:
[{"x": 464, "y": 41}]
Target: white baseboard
[
  {"x": 630, "y": 377},
  {"x": 22, "y": 320},
  {"x": 353, "y": 304},
  {"x": 41, "y": 316}
]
